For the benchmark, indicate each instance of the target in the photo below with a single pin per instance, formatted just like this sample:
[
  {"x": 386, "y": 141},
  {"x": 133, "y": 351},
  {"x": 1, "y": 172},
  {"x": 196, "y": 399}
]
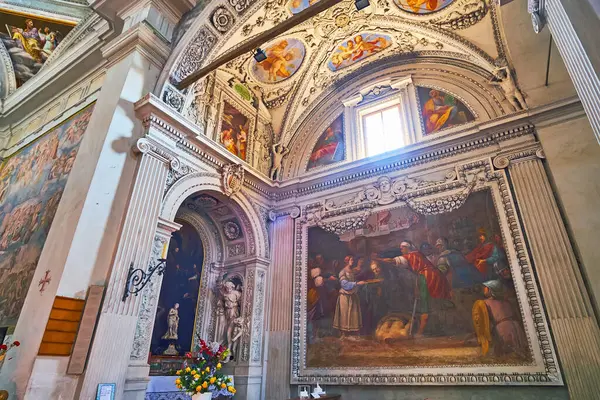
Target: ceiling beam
[{"x": 258, "y": 40}]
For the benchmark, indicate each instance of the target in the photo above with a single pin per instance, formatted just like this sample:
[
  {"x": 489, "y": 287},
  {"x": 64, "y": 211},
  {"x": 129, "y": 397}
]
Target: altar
[{"x": 163, "y": 388}]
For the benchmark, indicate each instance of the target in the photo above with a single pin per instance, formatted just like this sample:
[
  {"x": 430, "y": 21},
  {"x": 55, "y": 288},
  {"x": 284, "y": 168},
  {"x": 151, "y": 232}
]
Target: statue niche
[
  {"x": 176, "y": 311},
  {"x": 229, "y": 324}
]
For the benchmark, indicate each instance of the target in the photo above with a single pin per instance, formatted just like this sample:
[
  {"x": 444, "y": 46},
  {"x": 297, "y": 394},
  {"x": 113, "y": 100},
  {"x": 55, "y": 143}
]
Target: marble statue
[
  {"x": 228, "y": 309},
  {"x": 504, "y": 79},
  {"x": 173, "y": 323},
  {"x": 238, "y": 329},
  {"x": 220, "y": 321},
  {"x": 278, "y": 153}
]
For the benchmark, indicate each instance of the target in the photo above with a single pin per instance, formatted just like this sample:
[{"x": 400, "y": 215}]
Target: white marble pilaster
[
  {"x": 567, "y": 302},
  {"x": 278, "y": 336}
]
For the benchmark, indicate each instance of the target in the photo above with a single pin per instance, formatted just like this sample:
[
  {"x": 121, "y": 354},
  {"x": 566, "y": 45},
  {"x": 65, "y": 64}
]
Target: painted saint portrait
[
  {"x": 284, "y": 57},
  {"x": 356, "y": 49},
  {"x": 422, "y": 6},
  {"x": 410, "y": 290},
  {"x": 181, "y": 284},
  {"x": 31, "y": 186},
  {"x": 330, "y": 147},
  {"x": 440, "y": 110},
  {"x": 234, "y": 131},
  {"x": 295, "y": 6},
  {"x": 30, "y": 41}
]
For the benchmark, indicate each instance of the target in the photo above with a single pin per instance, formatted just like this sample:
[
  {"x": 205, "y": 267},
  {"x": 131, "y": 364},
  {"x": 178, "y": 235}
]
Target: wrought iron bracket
[{"x": 137, "y": 279}]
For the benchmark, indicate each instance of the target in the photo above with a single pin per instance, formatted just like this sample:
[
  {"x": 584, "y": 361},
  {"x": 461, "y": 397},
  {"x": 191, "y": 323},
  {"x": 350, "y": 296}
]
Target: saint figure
[
  {"x": 173, "y": 323},
  {"x": 347, "y": 317}
]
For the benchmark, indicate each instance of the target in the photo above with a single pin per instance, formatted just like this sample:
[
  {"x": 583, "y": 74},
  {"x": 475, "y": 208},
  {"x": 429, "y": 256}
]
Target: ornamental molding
[
  {"x": 502, "y": 161},
  {"x": 232, "y": 178},
  {"x": 293, "y": 211}
]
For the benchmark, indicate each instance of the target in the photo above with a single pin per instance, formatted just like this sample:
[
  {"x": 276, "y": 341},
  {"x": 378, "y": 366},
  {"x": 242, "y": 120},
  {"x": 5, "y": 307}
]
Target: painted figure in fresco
[
  {"x": 430, "y": 282},
  {"x": 173, "y": 323},
  {"x": 29, "y": 39},
  {"x": 503, "y": 78},
  {"x": 487, "y": 257},
  {"x": 279, "y": 61},
  {"x": 327, "y": 150},
  {"x": 436, "y": 112},
  {"x": 278, "y": 153},
  {"x": 242, "y": 140},
  {"x": 459, "y": 272},
  {"x": 356, "y": 49},
  {"x": 416, "y": 5},
  {"x": 228, "y": 140},
  {"x": 347, "y": 318},
  {"x": 497, "y": 324}
]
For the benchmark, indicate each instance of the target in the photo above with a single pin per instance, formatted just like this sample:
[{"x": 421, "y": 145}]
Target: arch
[{"x": 210, "y": 182}]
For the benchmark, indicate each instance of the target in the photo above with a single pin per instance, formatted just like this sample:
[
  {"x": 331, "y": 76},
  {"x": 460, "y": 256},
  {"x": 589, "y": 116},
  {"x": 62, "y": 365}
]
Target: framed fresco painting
[
  {"x": 330, "y": 147},
  {"x": 236, "y": 127},
  {"x": 441, "y": 110},
  {"x": 402, "y": 285}
]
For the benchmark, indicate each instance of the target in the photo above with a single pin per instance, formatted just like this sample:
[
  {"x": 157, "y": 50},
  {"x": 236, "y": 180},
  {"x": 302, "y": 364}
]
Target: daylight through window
[{"x": 383, "y": 130}]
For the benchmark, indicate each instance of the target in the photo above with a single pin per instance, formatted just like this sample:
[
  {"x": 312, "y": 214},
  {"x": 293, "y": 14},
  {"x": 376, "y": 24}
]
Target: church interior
[{"x": 293, "y": 199}]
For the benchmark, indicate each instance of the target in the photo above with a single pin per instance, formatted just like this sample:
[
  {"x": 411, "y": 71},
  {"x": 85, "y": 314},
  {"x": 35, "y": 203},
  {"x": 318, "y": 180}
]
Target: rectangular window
[{"x": 383, "y": 130}]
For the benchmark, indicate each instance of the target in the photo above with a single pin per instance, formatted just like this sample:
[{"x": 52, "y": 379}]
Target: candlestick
[{"x": 164, "y": 252}]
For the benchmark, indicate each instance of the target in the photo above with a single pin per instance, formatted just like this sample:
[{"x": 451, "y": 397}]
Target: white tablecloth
[{"x": 163, "y": 388}]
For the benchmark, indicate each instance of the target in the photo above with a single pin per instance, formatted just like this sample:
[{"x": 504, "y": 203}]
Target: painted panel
[
  {"x": 284, "y": 58},
  {"x": 31, "y": 185},
  {"x": 179, "y": 292},
  {"x": 440, "y": 110},
  {"x": 30, "y": 41},
  {"x": 410, "y": 290},
  {"x": 295, "y": 6},
  {"x": 330, "y": 148},
  {"x": 422, "y": 6},
  {"x": 234, "y": 130},
  {"x": 356, "y": 49}
]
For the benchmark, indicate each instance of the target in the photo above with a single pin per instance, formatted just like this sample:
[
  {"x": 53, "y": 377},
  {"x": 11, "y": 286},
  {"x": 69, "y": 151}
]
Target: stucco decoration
[
  {"x": 222, "y": 19},
  {"x": 232, "y": 179}
]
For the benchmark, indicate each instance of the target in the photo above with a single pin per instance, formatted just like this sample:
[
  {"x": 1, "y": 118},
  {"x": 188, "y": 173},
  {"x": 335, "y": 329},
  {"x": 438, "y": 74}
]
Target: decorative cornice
[{"x": 141, "y": 38}]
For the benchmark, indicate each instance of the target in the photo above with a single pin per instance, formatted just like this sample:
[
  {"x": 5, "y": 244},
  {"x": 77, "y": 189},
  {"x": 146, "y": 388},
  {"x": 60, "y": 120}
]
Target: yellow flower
[
  {"x": 194, "y": 372},
  {"x": 196, "y": 376},
  {"x": 178, "y": 381},
  {"x": 188, "y": 369},
  {"x": 204, "y": 384},
  {"x": 223, "y": 386},
  {"x": 198, "y": 388},
  {"x": 230, "y": 388},
  {"x": 207, "y": 369},
  {"x": 213, "y": 379},
  {"x": 219, "y": 366},
  {"x": 178, "y": 372}
]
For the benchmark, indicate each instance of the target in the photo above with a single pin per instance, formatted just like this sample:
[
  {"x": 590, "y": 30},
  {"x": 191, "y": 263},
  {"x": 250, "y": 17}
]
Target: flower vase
[{"x": 202, "y": 396}]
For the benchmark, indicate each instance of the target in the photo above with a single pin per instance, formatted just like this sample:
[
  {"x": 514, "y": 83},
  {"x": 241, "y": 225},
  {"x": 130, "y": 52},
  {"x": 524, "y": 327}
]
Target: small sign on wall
[{"x": 106, "y": 391}]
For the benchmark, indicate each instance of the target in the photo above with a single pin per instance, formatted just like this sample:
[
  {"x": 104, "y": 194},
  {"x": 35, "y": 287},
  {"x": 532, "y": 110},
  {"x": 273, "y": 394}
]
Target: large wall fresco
[
  {"x": 412, "y": 290},
  {"x": 179, "y": 292},
  {"x": 30, "y": 41},
  {"x": 31, "y": 185}
]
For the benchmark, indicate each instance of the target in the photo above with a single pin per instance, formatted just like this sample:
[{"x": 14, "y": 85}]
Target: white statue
[
  {"x": 318, "y": 389},
  {"x": 504, "y": 79},
  {"x": 238, "y": 329},
  {"x": 173, "y": 323},
  {"x": 278, "y": 153},
  {"x": 231, "y": 302},
  {"x": 220, "y": 321}
]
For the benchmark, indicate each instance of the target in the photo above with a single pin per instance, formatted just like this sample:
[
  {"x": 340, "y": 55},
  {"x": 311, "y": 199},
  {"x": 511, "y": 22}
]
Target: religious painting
[
  {"x": 422, "y": 6},
  {"x": 31, "y": 185},
  {"x": 284, "y": 58},
  {"x": 295, "y": 6},
  {"x": 440, "y": 110},
  {"x": 356, "y": 49},
  {"x": 30, "y": 41},
  {"x": 411, "y": 290},
  {"x": 235, "y": 127},
  {"x": 176, "y": 311},
  {"x": 330, "y": 148}
]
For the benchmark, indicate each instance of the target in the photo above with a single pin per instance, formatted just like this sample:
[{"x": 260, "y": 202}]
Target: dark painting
[
  {"x": 440, "y": 110},
  {"x": 330, "y": 148},
  {"x": 31, "y": 185},
  {"x": 179, "y": 292},
  {"x": 414, "y": 290},
  {"x": 30, "y": 42}
]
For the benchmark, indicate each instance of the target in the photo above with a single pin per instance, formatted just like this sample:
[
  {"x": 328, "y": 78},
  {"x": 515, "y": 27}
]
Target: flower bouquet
[
  {"x": 200, "y": 374},
  {"x": 4, "y": 349}
]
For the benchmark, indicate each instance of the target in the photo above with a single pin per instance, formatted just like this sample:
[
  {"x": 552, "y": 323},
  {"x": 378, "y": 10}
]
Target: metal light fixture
[
  {"x": 260, "y": 55},
  {"x": 361, "y": 4},
  {"x": 137, "y": 278}
]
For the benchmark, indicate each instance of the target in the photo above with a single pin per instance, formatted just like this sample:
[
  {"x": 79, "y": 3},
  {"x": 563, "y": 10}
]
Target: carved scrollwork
[
  {"x": 342, "y": 226},
  {"x": 439, "y": 205},
  {"x": 232, "y": 178},
  {"x": 173, "y": 98},
  {"x": 195, "y": 53},
  {"x": 222, "y": 19},
  {"x": 466, "y": 13},
  {"x": 257, "y": 317}
]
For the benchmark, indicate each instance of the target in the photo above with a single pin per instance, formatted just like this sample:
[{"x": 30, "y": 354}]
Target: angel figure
[
  {"x": 278, "y": 153},
  {"x": 503, "y": 78}
]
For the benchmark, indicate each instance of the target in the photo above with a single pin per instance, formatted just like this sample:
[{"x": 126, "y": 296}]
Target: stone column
[
  {"x": 573, "y": 53},
  {"x": 279, "y": 336},
  {"x": 109, "y": 355},
  {"x": 567, "y": 302}
]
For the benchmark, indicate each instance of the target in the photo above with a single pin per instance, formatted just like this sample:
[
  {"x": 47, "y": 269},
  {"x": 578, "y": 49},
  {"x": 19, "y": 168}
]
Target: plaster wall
[{"x": 573, "y": 160}]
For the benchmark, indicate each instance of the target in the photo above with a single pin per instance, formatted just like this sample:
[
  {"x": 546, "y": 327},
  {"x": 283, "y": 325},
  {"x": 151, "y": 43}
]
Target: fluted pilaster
[
  {"x": 280, "y": 316},
  {"x": 567, "y": 302}
]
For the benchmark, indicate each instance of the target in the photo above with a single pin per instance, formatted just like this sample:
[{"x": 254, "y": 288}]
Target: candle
[{"x": 164, "y": 252}]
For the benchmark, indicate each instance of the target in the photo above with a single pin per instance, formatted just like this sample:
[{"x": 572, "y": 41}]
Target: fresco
[
  {"x": 295, "y": 6},
  {"x": 30, "y": 41},
  {"x": 31, "y": 185},
  {"x": 414, "y": 290},
  {"x": 234, "y": 131},
  {"x": 441, "y": 110},
  {"x": 180, "y": 285},
  {"x": 284, "y": 57},
  {"x": 356, "y": 49},
  {"x": 422, "y": 6},
  {"x": 330, "y": 146}
]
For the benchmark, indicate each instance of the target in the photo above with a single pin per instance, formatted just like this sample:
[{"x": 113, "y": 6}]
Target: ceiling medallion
[
  {"x": 231, "y": 230},
  {"x": 342, "y": 20}
]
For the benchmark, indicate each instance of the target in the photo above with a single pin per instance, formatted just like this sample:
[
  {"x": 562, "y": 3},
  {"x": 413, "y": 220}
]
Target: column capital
[
  {"x": 166, "y": 227},
  {"x": 503, "y": 160},
  {"x": 293, "y": 212}
]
